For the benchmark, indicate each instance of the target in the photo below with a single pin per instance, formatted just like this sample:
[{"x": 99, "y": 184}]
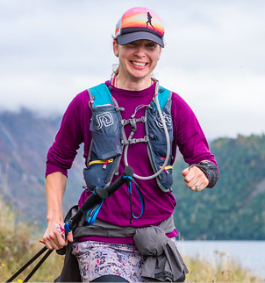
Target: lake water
[{"x": 250, "y": 254}]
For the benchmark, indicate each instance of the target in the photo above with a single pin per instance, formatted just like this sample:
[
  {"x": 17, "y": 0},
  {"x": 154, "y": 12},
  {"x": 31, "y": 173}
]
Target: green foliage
[{"x": 234, "y": 208}]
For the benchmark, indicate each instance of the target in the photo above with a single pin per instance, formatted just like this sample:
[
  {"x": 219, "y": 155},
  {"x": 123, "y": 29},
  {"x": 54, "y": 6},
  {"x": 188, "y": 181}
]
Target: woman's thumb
[
  {"x": 70, "y": 237},
  {"x": 185, "y": 172}
]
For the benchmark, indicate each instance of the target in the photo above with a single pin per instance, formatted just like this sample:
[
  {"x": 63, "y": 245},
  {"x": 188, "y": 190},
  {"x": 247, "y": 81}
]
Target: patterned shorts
[{"x": 97, "y": 259}]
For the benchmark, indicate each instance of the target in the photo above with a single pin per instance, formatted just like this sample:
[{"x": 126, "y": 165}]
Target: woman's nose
[{"x": 140, "y": 50}]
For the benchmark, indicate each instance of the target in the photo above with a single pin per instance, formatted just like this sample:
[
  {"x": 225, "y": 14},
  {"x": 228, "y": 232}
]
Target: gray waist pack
[{"x": 163, "y": 261}]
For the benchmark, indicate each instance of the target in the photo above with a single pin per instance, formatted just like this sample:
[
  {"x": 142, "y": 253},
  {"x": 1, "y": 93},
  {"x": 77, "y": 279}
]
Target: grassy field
[
  {"x": 19, "y": 242},
  {"x": 225, "y": 271}
]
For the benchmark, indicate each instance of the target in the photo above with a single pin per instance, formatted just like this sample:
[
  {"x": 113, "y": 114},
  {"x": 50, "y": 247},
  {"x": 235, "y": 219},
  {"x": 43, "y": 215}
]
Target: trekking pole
[
  {"x": 95, "y": 198},
  {"x": 38, "y": 265},
  {"x": 38, "y": 254}
]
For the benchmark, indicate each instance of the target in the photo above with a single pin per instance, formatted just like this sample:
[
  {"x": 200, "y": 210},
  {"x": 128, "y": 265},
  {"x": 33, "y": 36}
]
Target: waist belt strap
[{"x": 104, "y": 229}]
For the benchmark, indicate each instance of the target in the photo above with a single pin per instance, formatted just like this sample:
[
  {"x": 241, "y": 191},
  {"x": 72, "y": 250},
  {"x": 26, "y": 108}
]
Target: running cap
[{"x": 139, "y": 23}]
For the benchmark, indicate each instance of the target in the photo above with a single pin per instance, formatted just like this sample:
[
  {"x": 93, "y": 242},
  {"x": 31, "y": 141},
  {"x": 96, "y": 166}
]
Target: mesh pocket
[{"x": 106, "y": 147}]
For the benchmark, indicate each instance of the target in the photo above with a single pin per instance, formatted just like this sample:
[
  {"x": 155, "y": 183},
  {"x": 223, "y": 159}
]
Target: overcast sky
[{"x": 50, "y": 50}]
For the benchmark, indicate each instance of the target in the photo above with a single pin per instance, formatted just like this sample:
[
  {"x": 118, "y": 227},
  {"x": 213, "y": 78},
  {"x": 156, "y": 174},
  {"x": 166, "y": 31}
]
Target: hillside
[
  {"x": 232, "y": 210},
  {"x": 24, "y": 141}
]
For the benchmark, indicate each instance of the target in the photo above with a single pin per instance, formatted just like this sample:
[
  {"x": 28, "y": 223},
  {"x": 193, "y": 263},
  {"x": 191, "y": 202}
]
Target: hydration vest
[{"x": 108, "y": 137}]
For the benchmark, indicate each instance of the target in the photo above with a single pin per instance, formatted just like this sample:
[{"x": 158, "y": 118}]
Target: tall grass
[
  {"x": 19, "y": 242},
  {"x": 223, "y": 269}
]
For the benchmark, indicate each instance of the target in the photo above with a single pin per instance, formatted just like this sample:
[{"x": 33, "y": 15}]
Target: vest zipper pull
[
  {"x": 165, "y": 169},
  {"x": 105, "y": 164}
]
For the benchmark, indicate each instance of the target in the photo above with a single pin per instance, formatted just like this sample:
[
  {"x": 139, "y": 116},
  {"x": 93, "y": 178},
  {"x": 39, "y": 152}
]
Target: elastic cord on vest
[
  {"x": 129, "y": 182},
  {"x": 167, "y": 141}
]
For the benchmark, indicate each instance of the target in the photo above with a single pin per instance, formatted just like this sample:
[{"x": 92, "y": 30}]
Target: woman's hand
[
  {"x": 195, "y": 179},
  {"x": 55, "y": 240}
]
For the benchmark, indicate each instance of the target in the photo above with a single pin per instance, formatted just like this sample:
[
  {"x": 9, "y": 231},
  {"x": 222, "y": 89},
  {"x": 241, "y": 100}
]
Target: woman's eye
[
  {"x": 151, "y": 45},
  {"x": 132, "y": 44},
  {"x": 135, "y": 44}
]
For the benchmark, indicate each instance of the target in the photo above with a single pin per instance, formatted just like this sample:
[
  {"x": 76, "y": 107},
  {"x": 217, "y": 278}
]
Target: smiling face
[{"x": 137, "y": 60}]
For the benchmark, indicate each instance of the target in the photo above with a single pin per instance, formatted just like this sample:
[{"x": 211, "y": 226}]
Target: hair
[
  {"x": 116, "y": 67},
  {"x": 115, "y": 70}
]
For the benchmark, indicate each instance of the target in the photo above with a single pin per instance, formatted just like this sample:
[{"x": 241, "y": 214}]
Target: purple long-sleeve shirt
[{"x": 74, "y": 130}]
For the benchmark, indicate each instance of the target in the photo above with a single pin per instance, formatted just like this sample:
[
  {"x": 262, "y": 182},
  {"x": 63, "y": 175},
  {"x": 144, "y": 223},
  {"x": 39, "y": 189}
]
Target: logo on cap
[{"x": 149, "y": 18}]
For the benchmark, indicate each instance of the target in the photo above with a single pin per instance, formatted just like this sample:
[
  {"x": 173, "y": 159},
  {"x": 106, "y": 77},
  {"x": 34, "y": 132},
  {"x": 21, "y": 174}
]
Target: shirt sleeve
[
  {"x": 62, "y": 153},
  {"x": 188, "y": 134}
]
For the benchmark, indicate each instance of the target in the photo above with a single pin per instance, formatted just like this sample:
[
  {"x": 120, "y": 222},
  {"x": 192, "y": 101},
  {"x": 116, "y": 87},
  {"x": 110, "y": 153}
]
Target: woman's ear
[{"x": 115, "y": 48}]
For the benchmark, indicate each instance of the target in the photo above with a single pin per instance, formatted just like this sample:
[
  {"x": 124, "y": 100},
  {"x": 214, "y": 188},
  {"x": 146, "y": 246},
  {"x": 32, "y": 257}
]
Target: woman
[{"x": 116, "y": 258}]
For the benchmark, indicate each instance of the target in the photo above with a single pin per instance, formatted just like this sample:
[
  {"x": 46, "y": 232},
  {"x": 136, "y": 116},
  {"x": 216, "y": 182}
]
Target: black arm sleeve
[{"x": 210, "y": 170}]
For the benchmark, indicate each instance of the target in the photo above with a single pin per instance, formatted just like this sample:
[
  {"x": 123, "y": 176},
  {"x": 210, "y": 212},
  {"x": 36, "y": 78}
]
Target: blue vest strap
[
  {"x": 100, "y": 95},
  {"x": 164, "y": 95}
]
